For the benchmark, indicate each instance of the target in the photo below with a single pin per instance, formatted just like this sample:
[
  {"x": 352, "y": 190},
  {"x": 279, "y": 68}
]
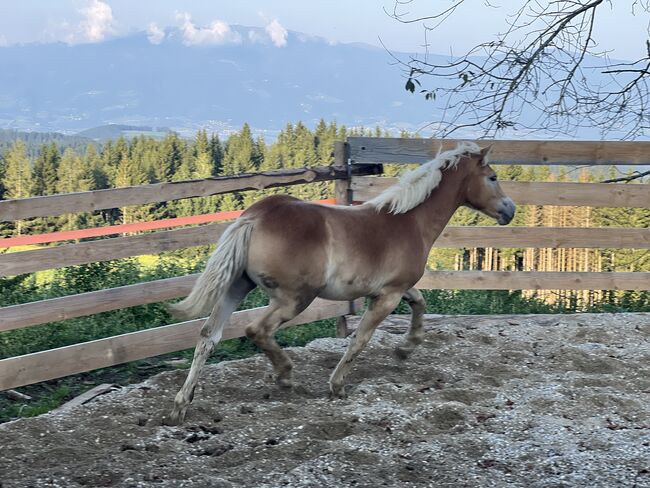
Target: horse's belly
[{"x": 349, "y": 289}]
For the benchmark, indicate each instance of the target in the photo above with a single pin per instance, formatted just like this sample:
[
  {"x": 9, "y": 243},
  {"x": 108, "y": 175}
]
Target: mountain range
[{"x": 132, "y": 81}]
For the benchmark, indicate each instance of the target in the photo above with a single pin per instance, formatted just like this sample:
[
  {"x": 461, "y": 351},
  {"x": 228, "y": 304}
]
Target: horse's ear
[{"x": 485, "y": 151}]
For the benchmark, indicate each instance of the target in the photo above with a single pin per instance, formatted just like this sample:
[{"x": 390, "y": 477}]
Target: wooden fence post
[{"x": 343, "y": 193}]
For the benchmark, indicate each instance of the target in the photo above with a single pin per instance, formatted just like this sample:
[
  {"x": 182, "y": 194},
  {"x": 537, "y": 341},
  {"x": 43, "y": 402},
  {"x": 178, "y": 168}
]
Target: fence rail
[
  {"x": 538, "y": 193},
  {"x": 352, "y": 184},
  {"x": 90, "y": 201},
  {"x": 82, "y": 304},
  {"x": 363, "y": 150},
  {"x": 534, "y": 280},
  {"x": 106, "y": 249},
  {"x": 102, "y": 353}
]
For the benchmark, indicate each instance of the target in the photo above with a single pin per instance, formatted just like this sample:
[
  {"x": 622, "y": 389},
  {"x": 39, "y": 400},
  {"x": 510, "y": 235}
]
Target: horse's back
[{"x": 289, "y": 241}]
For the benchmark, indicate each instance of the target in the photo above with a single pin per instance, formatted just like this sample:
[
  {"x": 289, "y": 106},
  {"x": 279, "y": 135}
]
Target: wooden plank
[
  {"x": 106, "y": 249},
  {"x": 545, "y": 237},
  {"x": 538, "y": 193},
  {"x": 578, "y": 194},
  {"x": 341, "y": 154},
  {"x": 89, "y": 395},
  {"x": 55, "y": 309},
  {"x": 533, "y": 280},
  {"x": 102, "y": 353},
  {"x": 342, "y": 192},
  {"x": 89, "y": 201},
  {"x": 510, "y": 237},
  {"x": 534, "y": 152}
]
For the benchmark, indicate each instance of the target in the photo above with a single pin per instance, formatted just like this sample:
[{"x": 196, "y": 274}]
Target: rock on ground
[{"x": 486, "y": 401}]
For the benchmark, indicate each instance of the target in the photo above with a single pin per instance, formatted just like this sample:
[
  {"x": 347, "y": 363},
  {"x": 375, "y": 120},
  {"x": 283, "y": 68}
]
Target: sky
[{"x": 80, "y": 21}]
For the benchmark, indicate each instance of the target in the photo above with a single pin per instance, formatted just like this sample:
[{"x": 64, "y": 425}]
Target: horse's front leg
[
  {"x": 378, "y": 308},
  {"x": 415, "y": 334}
]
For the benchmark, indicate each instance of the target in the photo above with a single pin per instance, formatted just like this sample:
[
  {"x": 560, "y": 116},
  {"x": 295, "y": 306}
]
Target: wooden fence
[
  {"x": 367, "y": 150},
  {"x": 78, "y": 358},
  {"x": 357, "y": 160}
]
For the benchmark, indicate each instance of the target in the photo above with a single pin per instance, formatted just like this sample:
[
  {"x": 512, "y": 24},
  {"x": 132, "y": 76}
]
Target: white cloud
[
  {"x": 218, "y": 32},
  {"x": 3, "y": 41},
  {"x": 97, "y": 23},
  {"x": 155, "y": 34},
  {"x": 277, "y": 33}
]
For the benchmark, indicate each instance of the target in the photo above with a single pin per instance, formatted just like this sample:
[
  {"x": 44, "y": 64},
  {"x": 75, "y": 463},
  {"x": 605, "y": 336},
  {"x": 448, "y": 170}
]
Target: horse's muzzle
[{"x": 505, "y": 211}]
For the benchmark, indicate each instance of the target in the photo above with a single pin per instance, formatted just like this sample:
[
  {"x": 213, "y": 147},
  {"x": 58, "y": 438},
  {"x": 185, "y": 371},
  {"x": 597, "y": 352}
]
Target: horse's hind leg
[
  {"x": 279, "y": 311},
  {"x": 378, "y": 309},
  {"x": 210, "y": 336},
  {"x": 415, "y": 334}
]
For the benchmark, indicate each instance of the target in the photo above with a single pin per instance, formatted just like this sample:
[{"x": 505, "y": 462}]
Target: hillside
[
  {"x": 34, "y": 140},
  {"x": 114, "y": 131}
]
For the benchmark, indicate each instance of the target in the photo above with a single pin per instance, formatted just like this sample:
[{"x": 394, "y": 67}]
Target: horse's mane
[{"x": 415, "y": 186}]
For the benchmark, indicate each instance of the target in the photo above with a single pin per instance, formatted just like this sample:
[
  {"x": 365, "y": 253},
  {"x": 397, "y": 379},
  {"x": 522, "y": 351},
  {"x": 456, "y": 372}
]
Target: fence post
[{"x": 343, "y": 194}]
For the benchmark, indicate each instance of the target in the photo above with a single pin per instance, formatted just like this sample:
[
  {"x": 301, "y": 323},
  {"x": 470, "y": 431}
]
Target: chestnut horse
[{"x": 297, "y": 251}]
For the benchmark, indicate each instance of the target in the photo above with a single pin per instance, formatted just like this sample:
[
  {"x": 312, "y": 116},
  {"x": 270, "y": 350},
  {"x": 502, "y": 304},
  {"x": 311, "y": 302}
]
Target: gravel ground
[{"x": 486, "y": 401}]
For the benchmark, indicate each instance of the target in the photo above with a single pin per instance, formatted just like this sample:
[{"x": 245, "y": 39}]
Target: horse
[{"x": 296, "y": 251}]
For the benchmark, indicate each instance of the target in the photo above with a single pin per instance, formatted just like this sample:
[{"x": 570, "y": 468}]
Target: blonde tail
[{"x": 224, "y": 266}]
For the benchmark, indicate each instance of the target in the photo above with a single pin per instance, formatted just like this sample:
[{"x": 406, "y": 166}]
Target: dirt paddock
[{"x": 487, "y": 401}]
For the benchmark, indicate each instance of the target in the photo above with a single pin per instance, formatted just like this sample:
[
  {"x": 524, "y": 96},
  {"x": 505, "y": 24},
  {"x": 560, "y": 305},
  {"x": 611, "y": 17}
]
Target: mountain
[{"x": 131, "y": 81}]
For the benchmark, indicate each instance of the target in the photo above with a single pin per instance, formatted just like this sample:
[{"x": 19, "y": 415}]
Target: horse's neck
[{"x": 435, "y": 212}]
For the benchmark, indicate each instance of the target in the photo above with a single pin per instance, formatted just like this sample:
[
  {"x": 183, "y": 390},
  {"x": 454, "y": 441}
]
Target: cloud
[
  {"x": 277, "y": 33},
  {"x": 155, "y": 34},
  {"x": 98, "y": 21},
  {"x": 218, "y": 32},
  {"x": 96, "y": 25}
]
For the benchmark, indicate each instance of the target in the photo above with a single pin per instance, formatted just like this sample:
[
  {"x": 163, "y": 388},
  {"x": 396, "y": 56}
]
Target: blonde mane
[{"x": 415, "y": 186}]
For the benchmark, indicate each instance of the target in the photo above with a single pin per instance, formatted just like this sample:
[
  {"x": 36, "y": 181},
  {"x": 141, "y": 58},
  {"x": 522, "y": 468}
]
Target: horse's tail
[{"x": 225, "y": 265}]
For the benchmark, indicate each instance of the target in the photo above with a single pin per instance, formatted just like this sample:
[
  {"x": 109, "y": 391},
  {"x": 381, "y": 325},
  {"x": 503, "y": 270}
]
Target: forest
[{"x": 39, "y": 166}]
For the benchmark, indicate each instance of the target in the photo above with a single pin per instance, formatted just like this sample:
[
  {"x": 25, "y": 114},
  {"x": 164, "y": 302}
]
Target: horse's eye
[{"x": 493, "y": 178}]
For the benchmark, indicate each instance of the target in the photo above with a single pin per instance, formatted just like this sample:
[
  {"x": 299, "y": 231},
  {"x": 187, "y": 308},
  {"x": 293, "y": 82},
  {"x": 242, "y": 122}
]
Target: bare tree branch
[
  {"x": 543, "y": 72},
  {"x": 634, "y": 176}
]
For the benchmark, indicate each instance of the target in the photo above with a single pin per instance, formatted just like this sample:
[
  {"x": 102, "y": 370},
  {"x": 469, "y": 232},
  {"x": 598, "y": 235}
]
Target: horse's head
[{"x": 483, "y": 192}]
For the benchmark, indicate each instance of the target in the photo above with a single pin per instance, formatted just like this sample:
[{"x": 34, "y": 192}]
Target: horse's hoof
[
  {"x": 401, "y": 353},
  {"x": 284, "y": 383},
  {"x": 175, "y": 418},
  {"x": 169, "y": 421},
  {"x": 337, "y": 392}
]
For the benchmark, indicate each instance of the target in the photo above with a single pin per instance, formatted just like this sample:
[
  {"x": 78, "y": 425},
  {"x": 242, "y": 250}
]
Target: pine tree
[
  {"x": 240, "y": 153},
  {"x": 110, "y": 158},
  {"x": 196, "y": 166},
  {"x": 72, "y": 176},
  {"x": 17, "y": 179},
  {"x": 169, "y": 159},
  {"x": 129, "y": 173},
  {"x": 239, "y": 157},
  {"x": 45, "y": 170},
  {"x": 201, "y": 143},
  {"x": 325, "y": 137},
  {"x": 216, "y": 154},
  {"x": 94, "y": 164}
]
